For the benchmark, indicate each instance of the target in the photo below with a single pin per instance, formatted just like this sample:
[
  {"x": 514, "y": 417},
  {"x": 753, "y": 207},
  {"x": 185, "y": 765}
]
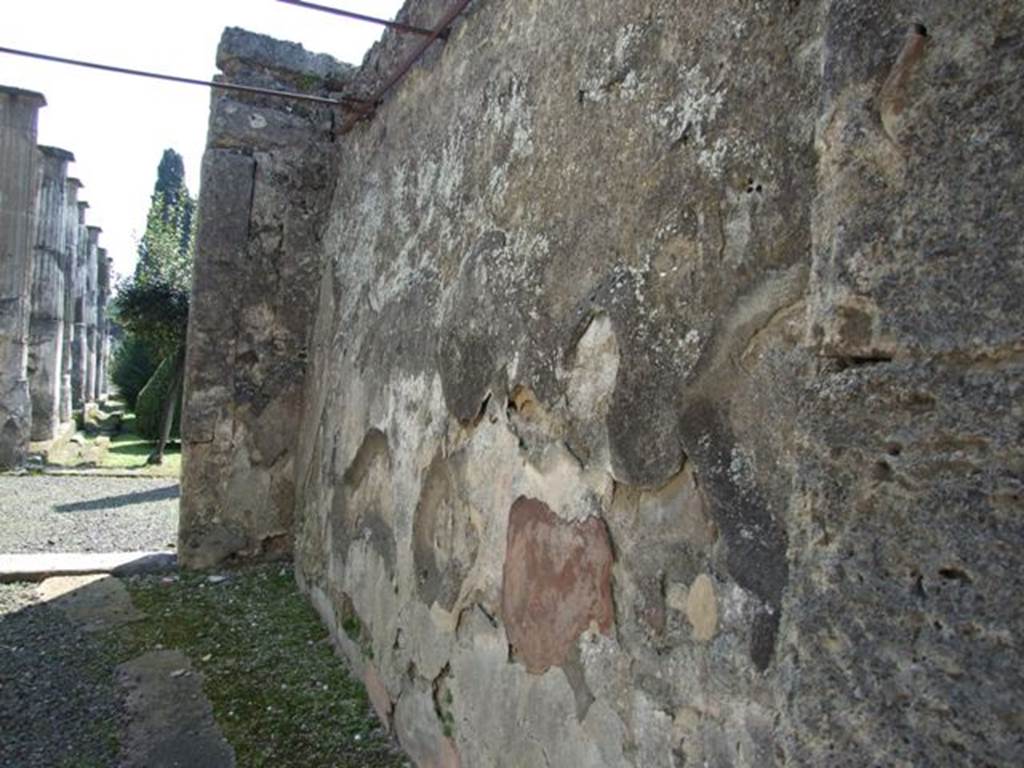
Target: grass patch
[
  {"x": 124, "y": 451},
  {"x": 129, "y": 451},
  {"x": 279, "y": 693}
]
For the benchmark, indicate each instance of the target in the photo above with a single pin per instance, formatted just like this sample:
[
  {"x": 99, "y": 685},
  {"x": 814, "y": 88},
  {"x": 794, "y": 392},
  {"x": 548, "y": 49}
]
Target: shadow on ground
[
  {"x": 122, "y": 500},
  {"x": 58, "y": 705},
  {"x": 127, "y": 671}
]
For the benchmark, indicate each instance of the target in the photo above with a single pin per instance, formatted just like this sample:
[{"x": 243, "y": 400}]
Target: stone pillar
[
  {"x": 79, "y": 340},
  {"x": 70, "y": 262},
  {"x": 91, "y": 296},
  {"x": 46, "y": 325},
  {"x": 266, "y": 169},
  {"x": 103, "y": 265},
  {"x": 18, "y": 180}
]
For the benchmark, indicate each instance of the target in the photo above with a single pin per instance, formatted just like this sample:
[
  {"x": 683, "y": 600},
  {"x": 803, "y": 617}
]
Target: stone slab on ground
[
  {"x": 95, "y": 602},
  {"x": 44, "y": 565},
  {"x": 169, "y": 721}
]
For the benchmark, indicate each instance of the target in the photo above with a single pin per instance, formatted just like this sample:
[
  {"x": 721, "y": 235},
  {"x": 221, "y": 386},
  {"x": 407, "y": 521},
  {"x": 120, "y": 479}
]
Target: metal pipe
[
  {"x": 397, "y": 25},
  {"x": 367, "y": 108},
  {"x": 186, "y": 80}
]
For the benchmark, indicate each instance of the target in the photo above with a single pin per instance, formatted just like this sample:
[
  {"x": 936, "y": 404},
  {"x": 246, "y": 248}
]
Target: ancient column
[
  {"x": 18, "y": 159},
  {"x": 79, "y": 341},
  {"x": 91, "y": 276},
  {"x": 103, "y": 266},
  {"x": 46, "y": 324},
  {"x": 70, "y": 262}
]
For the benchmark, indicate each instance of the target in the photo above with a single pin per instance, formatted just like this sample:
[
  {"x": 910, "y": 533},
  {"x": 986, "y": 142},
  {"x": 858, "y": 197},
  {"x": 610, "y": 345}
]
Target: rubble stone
[{"x": 659, "y": 397}]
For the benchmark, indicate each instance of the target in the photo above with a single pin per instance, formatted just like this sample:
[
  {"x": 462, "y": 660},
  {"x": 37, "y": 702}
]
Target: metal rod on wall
[
  {"x": 397, "y": 25},
  {"x": 366, "y": 110}
]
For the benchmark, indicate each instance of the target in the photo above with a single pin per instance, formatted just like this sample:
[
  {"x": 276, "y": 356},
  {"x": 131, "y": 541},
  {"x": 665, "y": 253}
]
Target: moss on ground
[
  {"x": 279, "y": 693},
  {"x": 129, "y": 451}
]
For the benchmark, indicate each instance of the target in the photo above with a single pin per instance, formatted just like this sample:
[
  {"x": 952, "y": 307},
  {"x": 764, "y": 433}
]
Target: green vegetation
[
  {"x": 448, "y": 723},
  {"x": 122, "y": 449},
  {"x": 308, "y": 83},
  {"x": 353, "y": 628},
  {"x": 152, "y": 401},
  {"x": 131, "y": 366},
  {"x": 128, "y": 450},
  {"x": 166, "y": 248},
  {"x": 152, "y": 305},
  {"x": 443, "y": 707},
  {"x": 278, "y": 692}
]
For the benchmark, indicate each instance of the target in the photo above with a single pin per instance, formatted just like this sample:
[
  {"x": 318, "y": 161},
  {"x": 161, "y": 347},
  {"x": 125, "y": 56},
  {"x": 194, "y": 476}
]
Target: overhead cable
[{"x": 186, "y": 80}]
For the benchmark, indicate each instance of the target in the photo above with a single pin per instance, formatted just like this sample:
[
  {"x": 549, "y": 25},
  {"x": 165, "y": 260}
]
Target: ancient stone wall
[
  {"x": 266, "y": 184},
  {"x": 46, "y": 326},
  {"x": 662, "y": 405},
  {"x": 18, "y": 186}
]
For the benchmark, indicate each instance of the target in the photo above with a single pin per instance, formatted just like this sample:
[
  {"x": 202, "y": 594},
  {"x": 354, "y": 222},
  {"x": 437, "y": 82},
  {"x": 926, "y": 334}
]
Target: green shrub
[
  {"x": 133, "y": 365},
  {"x": 152, "y": 398}
]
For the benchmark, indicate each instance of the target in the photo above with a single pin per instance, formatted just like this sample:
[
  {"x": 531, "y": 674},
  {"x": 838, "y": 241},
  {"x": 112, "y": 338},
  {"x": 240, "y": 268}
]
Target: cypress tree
[{"x": 153, "y": 304}]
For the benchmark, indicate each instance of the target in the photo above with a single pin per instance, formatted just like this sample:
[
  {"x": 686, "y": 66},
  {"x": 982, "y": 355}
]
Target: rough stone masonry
[{"x": 641, "y": 385}]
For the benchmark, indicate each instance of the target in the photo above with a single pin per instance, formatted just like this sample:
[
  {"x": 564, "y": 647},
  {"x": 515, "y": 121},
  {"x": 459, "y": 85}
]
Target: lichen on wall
[
  {"x": 661, "y": 405},
  {"x": 265, "y": 186}
]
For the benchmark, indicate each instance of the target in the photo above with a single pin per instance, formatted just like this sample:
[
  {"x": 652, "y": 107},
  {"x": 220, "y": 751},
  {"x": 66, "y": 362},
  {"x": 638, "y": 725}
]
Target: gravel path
[
  {"x": 58, "y": 706},
  {"x": 41, "y": 513}
]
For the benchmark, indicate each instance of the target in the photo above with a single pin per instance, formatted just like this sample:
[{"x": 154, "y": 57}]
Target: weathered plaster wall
[
  {"x": 18, "y": 186},
  {"x": 664, "y": 404},
  {"x": 663, "y": 400},
  {"x": 265, "y": 190},
  {"x": 49, "y": 267}
]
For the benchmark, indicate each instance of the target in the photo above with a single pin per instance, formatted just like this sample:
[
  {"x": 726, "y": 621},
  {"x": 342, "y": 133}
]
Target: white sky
[{"x": 118, "y": 126}]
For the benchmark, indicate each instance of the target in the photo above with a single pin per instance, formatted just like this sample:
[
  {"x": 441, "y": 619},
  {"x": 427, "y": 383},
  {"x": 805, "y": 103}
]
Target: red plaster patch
[
  {"x": 556, "y": 581},
  {"x": 448, "y": 756},
  {"x": 378, "y": 695}
]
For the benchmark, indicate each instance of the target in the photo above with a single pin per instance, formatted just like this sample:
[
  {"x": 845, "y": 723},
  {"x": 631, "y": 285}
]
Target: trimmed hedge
[
  {"x": 133, "y": 365},
  {"x": 150, "y": 404}
]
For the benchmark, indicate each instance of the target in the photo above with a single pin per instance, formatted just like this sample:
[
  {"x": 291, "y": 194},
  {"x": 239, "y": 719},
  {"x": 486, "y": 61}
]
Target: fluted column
[
  {"x": 18, "y": 183},
  {"x": 103, "y": 266},
  {"x": 46, "y": 325},
  {"x": 79, "y": 341},
  {"x": 70, "y": 260},
  {"x": 91, "y": 276}
]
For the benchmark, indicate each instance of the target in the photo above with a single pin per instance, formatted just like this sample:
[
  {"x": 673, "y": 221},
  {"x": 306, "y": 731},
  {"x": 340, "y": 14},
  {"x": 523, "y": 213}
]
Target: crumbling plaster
[{"x": 729, "y": 292}]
